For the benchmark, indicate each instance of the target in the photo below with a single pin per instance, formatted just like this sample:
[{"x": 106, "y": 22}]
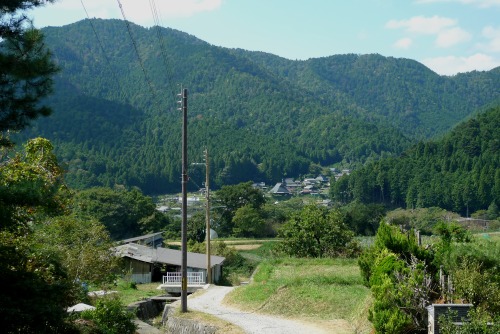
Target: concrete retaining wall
[{"x": 147, "y": 309}]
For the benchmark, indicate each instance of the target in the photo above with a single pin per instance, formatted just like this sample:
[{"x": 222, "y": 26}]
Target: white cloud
[
  {"x": 403, "y": 43},
  {"x": 493, "y": 35},
  {"x": 478, "y": 3},
  {"x": 422, "y": 25},
  {"x": 140, "y": 11},
  {"x": 452, "y": 65},
  {"x": 445, "y": 29},
  {"x": 450, "y": 37}
]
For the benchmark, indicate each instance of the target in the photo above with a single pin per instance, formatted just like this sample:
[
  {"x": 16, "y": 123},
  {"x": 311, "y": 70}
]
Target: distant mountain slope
[
  {"x": 460, "y": 172},
  {"x": 262, "y": 117},
  {"x": 402, "y": 92}
]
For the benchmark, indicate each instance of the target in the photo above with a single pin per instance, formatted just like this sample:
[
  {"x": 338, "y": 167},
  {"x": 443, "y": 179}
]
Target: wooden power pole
[
  {"x": 207, "y": 215},
  {"x": 183, "y": 103}
]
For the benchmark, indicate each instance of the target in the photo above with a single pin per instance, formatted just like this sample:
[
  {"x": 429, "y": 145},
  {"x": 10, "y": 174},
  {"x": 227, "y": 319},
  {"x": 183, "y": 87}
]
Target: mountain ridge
[{"x": 261, "y": 116}]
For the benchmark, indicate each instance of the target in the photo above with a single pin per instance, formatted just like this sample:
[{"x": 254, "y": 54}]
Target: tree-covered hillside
[
  {"x": 401, "y": 92},
  {"x": 262, "y": 117},
  {"x": 459, "y": 172}
]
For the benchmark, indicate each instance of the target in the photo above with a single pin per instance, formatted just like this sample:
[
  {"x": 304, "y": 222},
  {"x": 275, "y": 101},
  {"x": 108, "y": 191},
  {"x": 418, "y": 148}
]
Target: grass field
[
  {"x": 308, "y": 289},
  {"x": 129, "y": 294}
]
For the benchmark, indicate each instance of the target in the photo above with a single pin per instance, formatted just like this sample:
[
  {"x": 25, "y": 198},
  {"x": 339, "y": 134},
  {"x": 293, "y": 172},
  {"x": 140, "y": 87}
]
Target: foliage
[
  {"x": 477, "y": 285},
  {"x": 452, "y": 232},
  {"x": 317, "y": 232},
  {"x": 363, "y": 219},
  {"x": 401, "y": 276},
  {"x": 478, "y": 323},
  {"x": 263, "y": 117},
  {"x": 229, "y": 199},
  {"x": 84, "y": 248},
  {"x": 248, "y": 222},
  {"x": 31, "y": 190},
  {"x": 234, "y": 264},
  {"x": 421, "y": 219},
  {"x": 110, "y": 317},
  {"x": 124, "y": 213},
  {"x": 196, "y": 229},
  {"x": 26, "y": 68},
  {"x": 457, "y": 173}
]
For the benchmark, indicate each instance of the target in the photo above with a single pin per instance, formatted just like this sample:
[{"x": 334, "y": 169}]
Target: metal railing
[{"x": 193, "y": 278}]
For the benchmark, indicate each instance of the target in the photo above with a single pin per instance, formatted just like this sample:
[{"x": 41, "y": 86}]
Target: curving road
[{"x": 211, "y": 302}]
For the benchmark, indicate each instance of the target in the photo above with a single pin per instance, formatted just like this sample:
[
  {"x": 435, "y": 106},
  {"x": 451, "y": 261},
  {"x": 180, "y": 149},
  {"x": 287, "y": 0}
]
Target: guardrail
[{"x": 193, "y": 278}]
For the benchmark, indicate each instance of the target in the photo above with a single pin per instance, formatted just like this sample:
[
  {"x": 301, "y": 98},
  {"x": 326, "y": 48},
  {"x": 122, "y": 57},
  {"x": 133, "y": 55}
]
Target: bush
[
  {"x": 318, "y": 232},
  {"x": 109, "y": 317},
  {"x": 479, "y": 323}
]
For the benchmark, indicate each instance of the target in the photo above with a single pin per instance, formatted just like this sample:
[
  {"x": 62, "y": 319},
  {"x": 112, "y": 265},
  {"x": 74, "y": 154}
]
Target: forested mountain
[
  {"x": 402, "y": 92},
  {"x": 459, "y": 172},
  {"x": 261, "y": 116}
]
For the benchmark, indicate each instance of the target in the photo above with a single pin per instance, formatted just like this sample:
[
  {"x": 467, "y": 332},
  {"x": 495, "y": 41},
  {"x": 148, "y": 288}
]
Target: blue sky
[{"x": 448, "y": 36}]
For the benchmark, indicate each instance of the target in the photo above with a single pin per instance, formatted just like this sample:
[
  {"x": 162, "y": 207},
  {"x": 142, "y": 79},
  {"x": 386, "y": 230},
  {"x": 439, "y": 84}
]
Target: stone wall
[
  {"x": 148, "y": 309},
  {"x": 175, "y": 325}
]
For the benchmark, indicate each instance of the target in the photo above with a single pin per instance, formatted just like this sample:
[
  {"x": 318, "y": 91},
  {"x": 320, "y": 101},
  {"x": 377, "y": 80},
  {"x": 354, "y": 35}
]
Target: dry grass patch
[
  {"x": 246, "y": 247},
  {"x": 210, "y": 320}
]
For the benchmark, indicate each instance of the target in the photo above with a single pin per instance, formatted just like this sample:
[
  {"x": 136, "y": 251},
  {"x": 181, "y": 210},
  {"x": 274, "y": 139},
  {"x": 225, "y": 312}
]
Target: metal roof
[
  {"x": 143, "y": 237},
  {"x": 166, "y": 255}
]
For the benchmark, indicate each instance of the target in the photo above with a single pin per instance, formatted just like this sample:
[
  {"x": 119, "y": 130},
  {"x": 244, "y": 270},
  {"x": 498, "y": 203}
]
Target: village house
[{"x": 146, "y": 264}]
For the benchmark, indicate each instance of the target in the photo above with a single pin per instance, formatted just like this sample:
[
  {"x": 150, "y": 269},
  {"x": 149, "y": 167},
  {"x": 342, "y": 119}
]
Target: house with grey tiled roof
[
  {"x": 146, "y": 264},
  {"x": 280, "y": 189}
]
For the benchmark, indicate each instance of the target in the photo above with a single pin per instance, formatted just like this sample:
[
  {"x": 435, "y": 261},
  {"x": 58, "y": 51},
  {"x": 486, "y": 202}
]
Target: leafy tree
[
  {"x": 196, "y": 227},
  {"x": 26, "y": 68},
  {"x": 31, "y": 190},
  {"x": 458, "y": 173},
  {"x": 232, "y": 197},
  {"x": 363, "y": 219},
  {"x": 248, "y": 222},
  {"x": 125, "y": 213},
  {"x": 83, "y": 246},
  {"x": 317, "y": 232}
]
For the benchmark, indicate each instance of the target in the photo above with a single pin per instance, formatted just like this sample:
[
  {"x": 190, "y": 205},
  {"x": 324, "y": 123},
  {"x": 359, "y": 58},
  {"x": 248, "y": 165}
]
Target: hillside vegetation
[
  {"x": 459, "y": 172},
  {"x": 262, "y": 117}
]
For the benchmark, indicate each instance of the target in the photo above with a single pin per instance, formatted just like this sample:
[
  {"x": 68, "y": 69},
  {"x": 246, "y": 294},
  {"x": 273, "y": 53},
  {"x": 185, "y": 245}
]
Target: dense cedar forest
[
  {"x": 262, "y": 117},
  {"x": 460, "y": 172}
]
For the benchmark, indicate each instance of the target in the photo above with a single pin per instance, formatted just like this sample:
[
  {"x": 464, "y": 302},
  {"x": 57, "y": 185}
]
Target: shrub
[{"x": 109, "y": 317}]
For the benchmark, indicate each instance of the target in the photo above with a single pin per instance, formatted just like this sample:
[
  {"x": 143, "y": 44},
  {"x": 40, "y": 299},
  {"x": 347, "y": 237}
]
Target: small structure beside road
[{"x": 147, "y": 264}]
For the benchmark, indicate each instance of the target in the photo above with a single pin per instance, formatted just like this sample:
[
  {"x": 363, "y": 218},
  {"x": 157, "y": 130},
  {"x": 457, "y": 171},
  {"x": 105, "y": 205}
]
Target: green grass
[
  {"x": 128, "y": 294},
  {"x": 312, "y": 289}
]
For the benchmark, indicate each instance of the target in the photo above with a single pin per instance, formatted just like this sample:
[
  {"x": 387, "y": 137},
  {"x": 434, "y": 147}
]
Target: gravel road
[{"x": 211, "y": 302}]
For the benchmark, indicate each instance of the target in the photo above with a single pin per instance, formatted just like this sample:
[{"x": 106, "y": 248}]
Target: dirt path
[{"x": 211, "y": 302}]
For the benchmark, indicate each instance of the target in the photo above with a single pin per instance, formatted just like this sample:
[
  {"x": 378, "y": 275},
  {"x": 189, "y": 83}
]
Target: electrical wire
[
  {"x": 101, "y": 45},
  {"x": 163, "y": 50},
  {"x": 134, "y": 43}
]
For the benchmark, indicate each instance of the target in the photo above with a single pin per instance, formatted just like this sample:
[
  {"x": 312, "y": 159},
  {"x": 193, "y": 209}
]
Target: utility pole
[
  {"x": 183, "y": 107},
  {"x": 207, "y": 215}
]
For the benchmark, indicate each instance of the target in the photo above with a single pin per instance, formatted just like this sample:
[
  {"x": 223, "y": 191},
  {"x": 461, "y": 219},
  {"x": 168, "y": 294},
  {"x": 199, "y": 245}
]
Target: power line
[
  {"x": 129, "y": 29},
  {"x": 100, "y": 44},
  {"x": 161, "y": 40}
]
